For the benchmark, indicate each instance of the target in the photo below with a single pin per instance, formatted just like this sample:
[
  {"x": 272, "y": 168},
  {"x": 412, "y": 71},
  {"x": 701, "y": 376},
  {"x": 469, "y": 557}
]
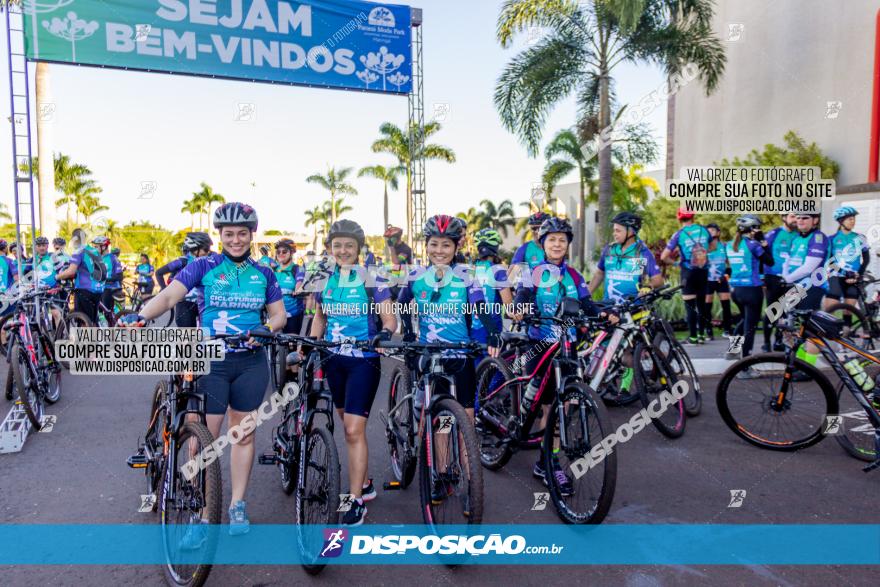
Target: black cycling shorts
[
  {"x": 353, "y": 382},
  {"x": 239, "y": 382},
  {"x": 838, "y": 289},
  {"x": 813, "y": 299},
  {"x": 694, "y": 280},
  {"x": 464, "y": 372},
  {"x": 717, "y": 287}
]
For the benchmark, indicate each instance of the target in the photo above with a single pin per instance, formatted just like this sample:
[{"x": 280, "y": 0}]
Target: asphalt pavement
[{"x": 77, "y": 474}]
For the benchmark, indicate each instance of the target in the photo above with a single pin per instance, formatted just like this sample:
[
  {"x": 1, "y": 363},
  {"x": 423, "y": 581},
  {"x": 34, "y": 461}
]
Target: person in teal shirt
[
  {"x": 717, "y": 282},
  {"x": 265, "y": 260},
  {"x": 145, "y": 275},
  {"x": 491, "y": 275},
  {"x": 290, "y": 277},
  {"x": 778, "y": 241},
  {"x": 850, "y": 250},
  {"x": 530, "y": 253}
]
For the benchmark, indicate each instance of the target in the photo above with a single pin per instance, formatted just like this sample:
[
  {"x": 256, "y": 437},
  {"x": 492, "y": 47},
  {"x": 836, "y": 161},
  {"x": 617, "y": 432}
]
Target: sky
[{"x": 134, "y": 127}]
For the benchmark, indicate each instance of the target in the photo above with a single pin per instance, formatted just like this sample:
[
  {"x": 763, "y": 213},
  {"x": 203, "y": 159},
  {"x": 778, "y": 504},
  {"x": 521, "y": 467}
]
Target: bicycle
[
  {"x": 865, "y": 314},
  {"x": 577, "y": 421},
  {"x": 35, "y": 374},
  {"x": 800, "y": 410},
  {"x": 305, "y": 452},
  {"x": 137, "y": 300},
  {"x": 176, "y": 433},
  {"x": 436, "y": 439}
]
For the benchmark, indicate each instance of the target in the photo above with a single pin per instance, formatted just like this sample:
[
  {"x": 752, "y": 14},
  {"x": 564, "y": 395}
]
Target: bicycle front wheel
[
  {"x": 655, "y": 377},
  {"x": 494, "y": 412},
  {"x": 855, "y": 434},
  {"x": 191, "y": 513},
  {"x": 748, "y": 401},
  {"x": 859, "y": 328},
  {"x": 317, "y": 499},
  {"x": 581, "y": 485},
  {"x": 26, "y": 385},
  {"x": 450, "y": 474},
  {"x": 684, "y": 371},
  {"x": 400, "y": 428}
]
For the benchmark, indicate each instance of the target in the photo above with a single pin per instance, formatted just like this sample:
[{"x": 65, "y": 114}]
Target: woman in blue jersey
[
  {"x": 691, "y": 241},
  {"x": 235, "y": 289},
  {"x": 717, "y": 282},
  {"x": 346, "y": 312},
  {"x": 556, "y": 280},
  {"x": 745, "y": 255},
  {"x": 490, "y": 274},
  {"x": 627, "y": 263},
  {"x": 528, "y": 255},
  {"x": 145, "y": 275},
  {"x": 290, "y": 277},
  {"x": 852, "y": 254}
]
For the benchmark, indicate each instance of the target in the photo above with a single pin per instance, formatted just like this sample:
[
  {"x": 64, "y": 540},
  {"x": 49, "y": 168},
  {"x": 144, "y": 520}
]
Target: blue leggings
[{"x": 353, "y": 382}]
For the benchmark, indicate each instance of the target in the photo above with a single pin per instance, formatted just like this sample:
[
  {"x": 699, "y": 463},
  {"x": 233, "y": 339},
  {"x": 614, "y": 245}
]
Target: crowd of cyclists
[{"x": 235, "y": 292}]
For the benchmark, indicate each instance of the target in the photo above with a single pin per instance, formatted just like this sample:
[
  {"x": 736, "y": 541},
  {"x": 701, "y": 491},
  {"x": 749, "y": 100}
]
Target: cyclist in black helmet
[{"x": 195, "y": 246}]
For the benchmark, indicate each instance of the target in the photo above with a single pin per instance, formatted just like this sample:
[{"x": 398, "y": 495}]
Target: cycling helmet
[
  {"x": 101, "y": 241},
  {"x": 235, "y": 214},
  {"x": 393, "y": 231},
  {"x": 58, "y": 241},
  {"x": 537, "y": 219},
  {"x": 3, "y": 244},
  {"x": 196, "y": 240},
  {"x": 628, "y": 220},
  {"x": 713, "y": 225},
  {"x": 264, "y": 249},
  {"x": 845, "y": 212},
  {"x": 286, "y": 243},
  {"x": 41, "y": 240},
  {"x": 447, "y": 226},
  {"x": 805, "y": 211},
  {"x": 488, "y": 236},
  {"x": 552, "y": 225},
  {"x": 684, "y": 214},
  {"x": 748, "y": 223},
  {"x": 348, "y": 228},
  {"x": 115, "y": 251}
]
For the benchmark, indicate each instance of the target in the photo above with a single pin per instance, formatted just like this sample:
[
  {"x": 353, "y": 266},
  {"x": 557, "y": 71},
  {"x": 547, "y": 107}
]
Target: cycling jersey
[
  {"x": 489, "y": 281},
  {"x": 530, "y": 253},
  {"x": 717, "y": 261},
  {"x": 806, "y": 250},
  {"x": 624, "y": 269},
  {"x": 85, "y": 266},
  {"x": 288, "y": 277},
  {"x": 233, "y": 294},
  {"x": 687, "y": 239},
  {"x": 442, "y": 304},
  {"x": 62, "y": 260},
  {"x": 745, "y": 268},
  {"x": 175, "y": 267},
  {"x": 45, "y": 271},
  {"x": 546, "y": 300},
  {"x": 114, "y": 271},
  {"x": 8, "y": 271},
  {"x": 779, "y": 240},
  {"x": 847, "y": 250},
  {"x": 267, "y": 261},
  {"x": 349, "y": 310},
  {"x": 369, "y": 260},
  {"x": 145, "y": 273}
]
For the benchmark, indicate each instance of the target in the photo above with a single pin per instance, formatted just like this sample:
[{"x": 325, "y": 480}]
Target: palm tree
[
  {"x": 84, "y": 198},
  {"x": 585, "y": 42},
  {"x": 313, "y": 218},
  {"x": 191, "y": 207},
  {"x": 69, "y": 178},
  {"x": 631, "y": 189},
  {"x": 565, "y": 154},
  {"x": 4, "y": 214},
  {"x": 334, "y": 182},
  {"x": 388, "y": 176},
  {"x": 204, "y": 198},
  {"x": 398, "y": 143},
  {"x": 501, "y": 217},
  {"x": 475, "y": 220},
  {"x": 89, "y": 204},
  {"x": 328, "y": 214}
]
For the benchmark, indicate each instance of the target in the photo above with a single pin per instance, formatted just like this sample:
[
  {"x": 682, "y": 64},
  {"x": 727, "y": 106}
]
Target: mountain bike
[
  {"x": 864, "y": 329},
  {"x": 788, "y": 404},
  {"x": 577, "y": 421},
  {"x": 176, "y": 433},
  {"x": 36, "y": 375},
  {"x": 304, "y": 451},
  {"x": 430, "y": 434}
]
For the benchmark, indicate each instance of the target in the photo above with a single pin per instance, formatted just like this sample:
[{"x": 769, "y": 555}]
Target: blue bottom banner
[{"x": 610, "y": 544}]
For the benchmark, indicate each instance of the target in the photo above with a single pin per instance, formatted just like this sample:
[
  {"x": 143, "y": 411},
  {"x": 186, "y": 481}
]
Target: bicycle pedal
[
  {"x": 268, "y": 459},
  {"x": 392, "y": 486},
  {"x": 138, "y": 461}
]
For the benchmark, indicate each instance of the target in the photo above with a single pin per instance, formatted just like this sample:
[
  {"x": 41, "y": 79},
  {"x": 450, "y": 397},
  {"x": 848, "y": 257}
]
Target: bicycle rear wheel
[
  {"x": 654, "y": 378},
  {"x": 195, "y": 502},
  {"x": 73, "y": 320},
  {"x": 26, "y": 385},
  {"x": 494, "y": 413},
  {"x": 581, "y": 488},
  {"x": 855, "y": 433},
  {"x": 399, "y": 432},
  {"x": 451, "y": 486},
  {"x": 750, "y": 410},
  {"x": 317, "y": 498},
  {"x": 684, "y": 370},
  {"x": 859, "y": 331}
]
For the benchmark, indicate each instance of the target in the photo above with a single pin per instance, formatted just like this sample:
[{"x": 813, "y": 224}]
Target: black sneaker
[
  {"x": 355, "y": 516},
  {"x": 444, "y": 486},
  {"x": 765, "y": 348},
  {"x": 369, "y": 492},
  {"x": 562, "y": 480}
]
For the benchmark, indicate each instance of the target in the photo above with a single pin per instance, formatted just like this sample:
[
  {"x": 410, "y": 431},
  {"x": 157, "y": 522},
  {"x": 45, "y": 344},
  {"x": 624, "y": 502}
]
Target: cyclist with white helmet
[
  {"x": 236, "y": 289},
  {"x": 850, "y": 250},
  {"x": 351, "y": 309},
  {"x": 195, "y": 246}
]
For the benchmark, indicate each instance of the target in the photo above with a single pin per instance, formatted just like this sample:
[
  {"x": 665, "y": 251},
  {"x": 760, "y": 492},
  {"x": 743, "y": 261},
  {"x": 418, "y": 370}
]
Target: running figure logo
[
  {"x": 446, "y": 423},
  {"x": 541, "y": 500},
  {"x": 333, "y": 541},
  {"x": 737, "y": 496}
]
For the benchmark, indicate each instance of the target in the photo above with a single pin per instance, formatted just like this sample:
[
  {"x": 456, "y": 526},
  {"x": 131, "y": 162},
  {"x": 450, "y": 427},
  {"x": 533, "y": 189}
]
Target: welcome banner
[{"x": 343, "y": 44}]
